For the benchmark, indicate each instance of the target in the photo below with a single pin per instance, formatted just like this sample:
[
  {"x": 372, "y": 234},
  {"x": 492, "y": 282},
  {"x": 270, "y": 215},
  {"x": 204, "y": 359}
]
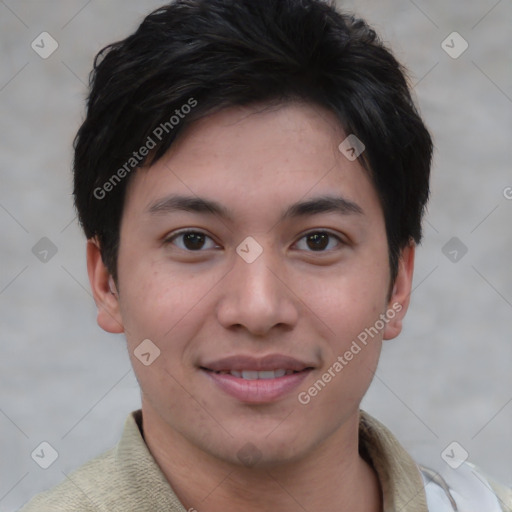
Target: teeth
[
  {"x": 267, "y": 374},
  {"x": 255, "y": 375},
  {"x": 250, "y": 375}
]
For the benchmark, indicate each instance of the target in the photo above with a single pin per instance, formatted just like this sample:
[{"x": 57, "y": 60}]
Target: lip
[
  {"x": 268, "y": 362},
  {"x": 257, "y": 391}
]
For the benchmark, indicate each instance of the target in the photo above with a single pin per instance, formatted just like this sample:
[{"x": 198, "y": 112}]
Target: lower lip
[{"x": 257, "y": 391}]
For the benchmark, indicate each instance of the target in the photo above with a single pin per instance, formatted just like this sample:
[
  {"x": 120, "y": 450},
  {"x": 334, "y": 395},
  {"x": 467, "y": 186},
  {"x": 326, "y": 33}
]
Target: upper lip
[{"x": 245, "y": 362}]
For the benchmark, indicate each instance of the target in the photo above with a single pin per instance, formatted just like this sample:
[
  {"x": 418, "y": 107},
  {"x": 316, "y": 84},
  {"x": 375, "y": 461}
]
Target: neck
[{"x": 333, "y": 477}]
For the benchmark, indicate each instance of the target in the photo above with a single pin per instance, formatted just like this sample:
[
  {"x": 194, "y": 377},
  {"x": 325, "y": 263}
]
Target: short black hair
[{"x": 191, "y": 58}]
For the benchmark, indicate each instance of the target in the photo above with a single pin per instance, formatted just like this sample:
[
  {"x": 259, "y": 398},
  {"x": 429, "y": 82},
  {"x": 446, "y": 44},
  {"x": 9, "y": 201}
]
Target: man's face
[{"x": 254, "y": 291}]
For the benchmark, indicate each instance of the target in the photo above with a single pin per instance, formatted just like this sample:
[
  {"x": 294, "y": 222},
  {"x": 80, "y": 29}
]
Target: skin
[{"x": 293, "y": 300}]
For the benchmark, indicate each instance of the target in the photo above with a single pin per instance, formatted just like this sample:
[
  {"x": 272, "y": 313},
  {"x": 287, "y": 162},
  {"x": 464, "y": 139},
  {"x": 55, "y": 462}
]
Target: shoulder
[
  {"x": 464, "y": 489},
  {"x": 83, "y": 490},
  {"x": 503, "y": 493},
  {"x": 126, "y": 477}
]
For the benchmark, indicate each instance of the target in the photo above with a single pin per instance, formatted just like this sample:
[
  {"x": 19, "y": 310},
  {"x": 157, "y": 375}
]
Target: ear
[
  {"x": 103, "y": 290},
  {"x": 401, "y": 294}
]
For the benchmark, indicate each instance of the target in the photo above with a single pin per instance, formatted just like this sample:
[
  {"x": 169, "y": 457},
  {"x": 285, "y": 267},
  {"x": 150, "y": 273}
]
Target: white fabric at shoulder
[{"x": 463, "y": 490}]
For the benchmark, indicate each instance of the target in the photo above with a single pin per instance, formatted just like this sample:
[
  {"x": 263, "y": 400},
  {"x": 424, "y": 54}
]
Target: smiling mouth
[
  {"x": 257, "y": 381},
  {"x": 257, "y": 375}
]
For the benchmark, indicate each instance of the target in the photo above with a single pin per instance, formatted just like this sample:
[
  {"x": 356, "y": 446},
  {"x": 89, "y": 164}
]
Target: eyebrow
[{"x": 200, "y": 205}]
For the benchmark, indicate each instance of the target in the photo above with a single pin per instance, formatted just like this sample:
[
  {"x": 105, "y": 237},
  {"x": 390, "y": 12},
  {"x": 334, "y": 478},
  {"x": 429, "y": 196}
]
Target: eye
[
  {"x": 319, "y": 240},
  {"x": 192, "y": 240}
]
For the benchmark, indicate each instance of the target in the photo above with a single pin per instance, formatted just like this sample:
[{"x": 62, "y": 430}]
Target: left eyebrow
[
  {"x": 322, "y": 204},
  {"x": 201, "y": 205}
]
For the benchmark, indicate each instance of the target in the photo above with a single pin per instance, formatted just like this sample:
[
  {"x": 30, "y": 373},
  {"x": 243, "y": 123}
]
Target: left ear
[{"x": 401, "y": 294}]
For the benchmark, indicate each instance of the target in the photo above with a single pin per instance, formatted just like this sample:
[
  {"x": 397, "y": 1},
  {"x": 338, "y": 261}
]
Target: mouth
[
  {"x": 256, "y": 375},
  {"x": 257, "y": 380}
]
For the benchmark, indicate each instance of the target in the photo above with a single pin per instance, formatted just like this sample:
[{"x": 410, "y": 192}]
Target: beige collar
[{"x": 399, "y": 476}]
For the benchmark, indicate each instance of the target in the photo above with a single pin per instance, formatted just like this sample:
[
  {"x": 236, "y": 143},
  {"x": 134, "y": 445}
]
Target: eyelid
[
  {"x": 332, "y": 234},
  {"x": 170, "y": 238},
  {"x": 328, "y": 231}
]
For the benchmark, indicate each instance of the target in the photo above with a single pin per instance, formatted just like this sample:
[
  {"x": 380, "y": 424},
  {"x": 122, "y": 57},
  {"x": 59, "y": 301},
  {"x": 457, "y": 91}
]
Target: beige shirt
[{"x": 127, "y": 477}]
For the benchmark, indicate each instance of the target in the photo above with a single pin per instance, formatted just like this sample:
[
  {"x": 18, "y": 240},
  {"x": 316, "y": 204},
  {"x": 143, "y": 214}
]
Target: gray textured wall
[{"x": 447, "y": 377}]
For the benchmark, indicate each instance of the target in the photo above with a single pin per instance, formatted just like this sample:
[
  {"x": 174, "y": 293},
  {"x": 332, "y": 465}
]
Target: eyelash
[{"x": 169, "y": 240}]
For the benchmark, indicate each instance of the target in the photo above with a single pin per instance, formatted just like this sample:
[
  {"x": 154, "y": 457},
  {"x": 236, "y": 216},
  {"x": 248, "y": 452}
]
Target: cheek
[
  {"x": 350, "y": 354},
  {"x": 165, "y": 306},
  {"x": 152, "y": 299},
  {"x": 349, "y": 307},
  {"x": 349, "y": 302},
  {"x": 159, "y": 308}
]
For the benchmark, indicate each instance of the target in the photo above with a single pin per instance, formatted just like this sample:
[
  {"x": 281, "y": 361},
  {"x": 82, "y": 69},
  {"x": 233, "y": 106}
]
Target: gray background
[{"x": 447, "y": 377}]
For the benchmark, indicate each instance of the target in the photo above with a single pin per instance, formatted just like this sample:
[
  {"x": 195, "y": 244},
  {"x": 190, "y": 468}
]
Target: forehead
[{"x": 256, "y": 159}]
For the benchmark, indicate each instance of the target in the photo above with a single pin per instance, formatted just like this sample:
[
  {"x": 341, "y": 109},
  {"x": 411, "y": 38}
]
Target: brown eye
[
  {"x": 318, "y": 241},
  {"x": 190, "y": 240}
]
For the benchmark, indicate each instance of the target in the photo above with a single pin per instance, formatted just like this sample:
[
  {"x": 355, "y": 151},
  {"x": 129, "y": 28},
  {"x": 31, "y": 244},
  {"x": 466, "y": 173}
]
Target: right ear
[{"x": 104, "y": 290}]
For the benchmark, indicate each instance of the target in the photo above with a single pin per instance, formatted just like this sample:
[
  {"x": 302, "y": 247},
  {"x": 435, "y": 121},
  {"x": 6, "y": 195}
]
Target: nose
[{"x": 256, "y": 296}]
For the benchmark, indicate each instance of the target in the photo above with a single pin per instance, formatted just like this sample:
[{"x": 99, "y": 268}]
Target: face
[{"x": 254, "y": 256}]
